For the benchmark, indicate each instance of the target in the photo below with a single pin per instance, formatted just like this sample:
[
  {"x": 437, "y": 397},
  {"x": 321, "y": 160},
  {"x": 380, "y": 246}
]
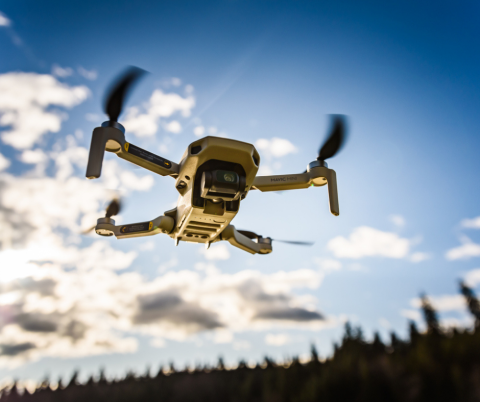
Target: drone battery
[{"x": 220, "y": 184}]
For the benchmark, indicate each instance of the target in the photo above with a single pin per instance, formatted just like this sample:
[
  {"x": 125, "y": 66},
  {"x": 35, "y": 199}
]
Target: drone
[{"x": 213, "y": 177}]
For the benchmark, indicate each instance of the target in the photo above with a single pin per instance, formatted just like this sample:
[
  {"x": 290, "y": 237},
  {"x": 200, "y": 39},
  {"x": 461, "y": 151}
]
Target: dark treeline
[{"x": 437, "y": 365}]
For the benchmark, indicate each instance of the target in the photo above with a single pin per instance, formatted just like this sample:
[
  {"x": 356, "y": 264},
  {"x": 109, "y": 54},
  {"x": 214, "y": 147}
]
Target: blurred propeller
[
  {"x": 253, "y": 236},
  {"x": 113, "y": 209},
  {"x": 335, "y": 140},
  {"x": 298, "y": 243},
  {"x": 119, "y": 90}
]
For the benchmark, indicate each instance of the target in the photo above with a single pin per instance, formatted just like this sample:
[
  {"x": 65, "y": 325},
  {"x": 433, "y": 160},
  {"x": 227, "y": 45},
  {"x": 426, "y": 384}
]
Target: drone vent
[
  {"x": 205, "y": 224},
  {"x": 200, "y": 229},
  {"x": 195, "y": 150}
]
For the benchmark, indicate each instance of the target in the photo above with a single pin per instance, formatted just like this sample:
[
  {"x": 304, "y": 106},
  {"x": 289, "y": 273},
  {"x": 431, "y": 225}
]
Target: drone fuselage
[{"x": 199, "y": 219}]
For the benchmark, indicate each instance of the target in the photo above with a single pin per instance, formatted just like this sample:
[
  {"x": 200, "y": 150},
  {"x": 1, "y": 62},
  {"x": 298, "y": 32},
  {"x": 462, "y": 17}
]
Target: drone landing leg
[
  {"x": 162, "y": 224},
  {"x": 237, "y": 239}
]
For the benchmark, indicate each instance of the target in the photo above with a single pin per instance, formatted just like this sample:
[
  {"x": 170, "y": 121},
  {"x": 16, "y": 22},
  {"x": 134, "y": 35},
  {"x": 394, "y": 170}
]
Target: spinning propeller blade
[
  {"x": 297, "y": 243},
  {"x": 252, "y": 235},
  {"x": 336, "y": 139},
  {"x": 119, "y": 90},
  {"x": 113, "y": 209}
]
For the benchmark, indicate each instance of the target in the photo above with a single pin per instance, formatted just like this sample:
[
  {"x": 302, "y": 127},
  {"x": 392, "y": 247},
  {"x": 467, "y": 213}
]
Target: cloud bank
[{"x": 30, "y": 106}]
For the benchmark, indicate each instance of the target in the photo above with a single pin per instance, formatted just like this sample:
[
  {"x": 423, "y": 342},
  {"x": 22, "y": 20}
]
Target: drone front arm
[
  {"x": 315, "y": 177},
  {"x": 162, "y": 224},
  {"x": 237, "y": 239},
  {"x": 112, "y": 139}
]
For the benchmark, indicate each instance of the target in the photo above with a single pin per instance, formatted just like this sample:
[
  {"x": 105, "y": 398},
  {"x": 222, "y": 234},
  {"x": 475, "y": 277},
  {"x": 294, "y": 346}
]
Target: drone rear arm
[
  {"x": 237, "y": 239},
  {"x": 112, "y": 139},
  {"x": 315, "y": 177},
  {"x": 162, "y": 224}
]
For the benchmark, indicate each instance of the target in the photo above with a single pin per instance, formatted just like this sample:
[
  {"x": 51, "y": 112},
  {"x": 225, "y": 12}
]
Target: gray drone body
[{"x": 213, "y": 177}]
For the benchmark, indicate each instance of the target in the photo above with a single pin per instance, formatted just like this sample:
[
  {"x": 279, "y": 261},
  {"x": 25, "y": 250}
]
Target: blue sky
[{"x": 405, "y": 74}]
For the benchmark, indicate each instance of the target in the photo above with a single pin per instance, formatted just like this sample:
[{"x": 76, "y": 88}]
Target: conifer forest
[{"x": 438, "y": 364}]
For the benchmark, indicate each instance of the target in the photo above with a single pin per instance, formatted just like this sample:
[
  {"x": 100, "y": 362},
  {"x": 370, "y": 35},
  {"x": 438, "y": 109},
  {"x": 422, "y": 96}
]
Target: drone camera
[{"x": 222, "y": 185}]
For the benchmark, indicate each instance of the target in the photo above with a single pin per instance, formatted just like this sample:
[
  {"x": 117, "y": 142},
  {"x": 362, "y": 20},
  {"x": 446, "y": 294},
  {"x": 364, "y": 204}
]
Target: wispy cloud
[
  {"x": 471, "y": 223},
  {"x": 160, "y": 105},
  {"x": 61, "y": 72},
  {"x": 397, "y": 220},
  {"x": 88, "y": 74},
  {"x": 467, "y": 250},
  {"x": 4, "y": 20}
]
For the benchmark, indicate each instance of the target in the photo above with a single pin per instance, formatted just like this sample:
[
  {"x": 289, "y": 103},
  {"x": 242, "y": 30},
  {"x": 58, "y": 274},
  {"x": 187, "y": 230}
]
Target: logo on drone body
[{"x": 284, "y": 179}]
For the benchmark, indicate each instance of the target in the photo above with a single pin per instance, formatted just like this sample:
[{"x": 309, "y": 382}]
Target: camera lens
[{"x": 229, "y": 177}]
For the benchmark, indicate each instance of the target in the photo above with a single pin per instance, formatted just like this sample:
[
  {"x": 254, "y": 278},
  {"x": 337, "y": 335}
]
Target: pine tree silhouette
[
  {"x": 430, "y": 315},
  {"x": 473, "y": 303}
]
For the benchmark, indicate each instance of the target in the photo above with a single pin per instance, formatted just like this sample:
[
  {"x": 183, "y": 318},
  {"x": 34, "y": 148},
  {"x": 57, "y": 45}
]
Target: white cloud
[
  {"x": 88, "y": 74},
  {"x": 26, "y": 101},
  {"x": 160, "y": 105},
  {"x": 174, "y": 127},
  {"x": 367, "y": 242},
  {"x": 397, "y": 220},
  {"x": 4, "y": 162},
  {"x": 216, "y": 252},
  {"x": 58, "y": 312},
  {"x": 33, "y": 156},
  {"x": 471, "y": 223},
  {"x": 199, "y": 131},
  {"x": 472, "y": 278},
  {"x": 61, "y": 72},
  {"x": 277, "y": 339},
  {"x": 420, "y": 256},
  {"x": 443, "y": 303},
  {"x": 4, "y": 21},
  {"x": 467, "y": 250},
  {"x": 276, "y": 147}
]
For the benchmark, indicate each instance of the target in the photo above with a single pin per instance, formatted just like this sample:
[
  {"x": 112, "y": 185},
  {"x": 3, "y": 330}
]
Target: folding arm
[
  {"x": 230, "y": 234},
  {"x": 162, "y": 224},
  {"x": 315, "y": 177},
  {"x": 111, "y": 138}
]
